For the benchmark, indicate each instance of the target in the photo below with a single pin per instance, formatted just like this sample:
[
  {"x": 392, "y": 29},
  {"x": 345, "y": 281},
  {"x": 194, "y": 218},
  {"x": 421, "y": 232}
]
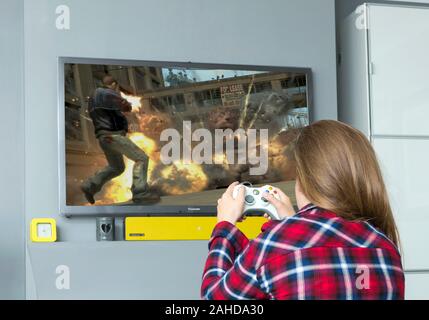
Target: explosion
[
  {"x": 175, "y": 179},
  {"x": 221, "y": 159},
  {"x": 180, "y": 178}
]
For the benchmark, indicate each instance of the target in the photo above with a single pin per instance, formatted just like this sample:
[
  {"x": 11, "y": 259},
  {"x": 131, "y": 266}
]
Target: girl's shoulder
[{"x": 316, "y": 227}]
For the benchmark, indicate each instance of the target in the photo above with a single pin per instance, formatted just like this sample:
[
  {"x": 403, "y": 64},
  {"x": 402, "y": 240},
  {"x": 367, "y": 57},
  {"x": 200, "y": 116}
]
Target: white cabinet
[
  {"x": 398, "y": 40},
  {"x": 405, "y": 170},
  {"x": 384, "y": 91}
]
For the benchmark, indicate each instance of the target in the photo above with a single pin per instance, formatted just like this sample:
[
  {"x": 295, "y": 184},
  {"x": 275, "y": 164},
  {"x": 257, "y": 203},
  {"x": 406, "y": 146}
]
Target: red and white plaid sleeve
[{"x": 229, "y": 272}]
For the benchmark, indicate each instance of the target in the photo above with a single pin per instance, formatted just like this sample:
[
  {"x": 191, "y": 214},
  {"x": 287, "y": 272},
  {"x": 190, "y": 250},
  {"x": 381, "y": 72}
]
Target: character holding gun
[{"x": 111, "y": 126}]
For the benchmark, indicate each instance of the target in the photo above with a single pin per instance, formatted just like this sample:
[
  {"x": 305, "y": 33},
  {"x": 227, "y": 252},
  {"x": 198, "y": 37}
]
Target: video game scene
[{"x": 122, "y": 121}]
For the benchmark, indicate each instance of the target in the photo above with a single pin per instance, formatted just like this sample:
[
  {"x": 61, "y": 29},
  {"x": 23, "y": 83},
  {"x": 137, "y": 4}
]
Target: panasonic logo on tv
[{"x": 194, "y": 209}]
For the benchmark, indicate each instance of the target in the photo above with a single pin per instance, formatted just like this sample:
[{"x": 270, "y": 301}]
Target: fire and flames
[
  {"x": 175, "y": 179},
  {"x": 134, "y": 100},
  {"x": 181, "y": 178}
]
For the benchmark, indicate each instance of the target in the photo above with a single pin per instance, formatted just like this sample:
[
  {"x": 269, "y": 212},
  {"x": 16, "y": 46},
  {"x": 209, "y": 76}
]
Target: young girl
[{"x": 342, "y": 244}]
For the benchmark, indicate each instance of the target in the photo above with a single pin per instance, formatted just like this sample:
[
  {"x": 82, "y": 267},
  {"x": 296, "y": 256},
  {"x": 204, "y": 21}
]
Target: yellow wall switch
[
  {"x": 182, "y": 228},
  {"x": 43, "y": 230}
]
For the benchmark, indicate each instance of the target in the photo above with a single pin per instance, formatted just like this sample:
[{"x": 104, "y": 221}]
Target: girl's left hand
[{"x": 230, "y": 209}]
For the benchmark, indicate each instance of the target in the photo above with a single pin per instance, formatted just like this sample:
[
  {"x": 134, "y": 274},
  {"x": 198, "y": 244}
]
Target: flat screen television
[{"x": 166, "y": 138}]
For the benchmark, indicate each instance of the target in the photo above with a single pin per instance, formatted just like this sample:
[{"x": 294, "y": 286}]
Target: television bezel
[{"x": 152, "y": 210}]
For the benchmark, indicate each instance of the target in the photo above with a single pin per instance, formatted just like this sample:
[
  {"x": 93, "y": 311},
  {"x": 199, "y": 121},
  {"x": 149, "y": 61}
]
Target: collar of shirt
[{"x": 306, "y": 208}]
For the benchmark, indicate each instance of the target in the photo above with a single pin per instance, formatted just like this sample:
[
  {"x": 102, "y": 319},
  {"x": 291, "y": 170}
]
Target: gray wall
[
  {"x": 297, "y": 33},
  {"x": 12, "y": 267}
]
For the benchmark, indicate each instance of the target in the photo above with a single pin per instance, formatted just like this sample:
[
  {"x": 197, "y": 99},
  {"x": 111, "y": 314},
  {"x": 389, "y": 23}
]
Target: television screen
[{"x": 167, "y": 138}]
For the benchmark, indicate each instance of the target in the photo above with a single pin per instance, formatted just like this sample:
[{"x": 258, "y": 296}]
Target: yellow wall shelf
[{"x": 182, "y": 228}]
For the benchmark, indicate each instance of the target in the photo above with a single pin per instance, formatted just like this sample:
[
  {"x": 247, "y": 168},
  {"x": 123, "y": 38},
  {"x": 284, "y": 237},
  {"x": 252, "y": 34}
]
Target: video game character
[{"x": 106, "y": 110}]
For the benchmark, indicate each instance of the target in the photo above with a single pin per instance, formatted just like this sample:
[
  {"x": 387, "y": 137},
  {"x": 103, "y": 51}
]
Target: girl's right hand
[{"x": 283, "y": 205}]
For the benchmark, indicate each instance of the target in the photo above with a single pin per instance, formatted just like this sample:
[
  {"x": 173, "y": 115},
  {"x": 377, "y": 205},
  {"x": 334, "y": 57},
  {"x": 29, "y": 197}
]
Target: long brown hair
[{"x": 337, "y": 170}]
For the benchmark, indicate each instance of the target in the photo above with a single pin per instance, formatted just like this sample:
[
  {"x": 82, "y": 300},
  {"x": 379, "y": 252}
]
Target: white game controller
[{"x": 254, "y": 202}]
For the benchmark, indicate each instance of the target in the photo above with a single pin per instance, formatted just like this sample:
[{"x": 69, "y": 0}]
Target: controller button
[
  {"x": 249, "y": 199},
  {"x": 263, "y": 199},
  {"x": 256, "y": 192}
]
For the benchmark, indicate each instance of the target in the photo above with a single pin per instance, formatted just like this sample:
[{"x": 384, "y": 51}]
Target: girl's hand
[
  {"x": 283, "y": 205},
  {"x": 230, "y": 209}
]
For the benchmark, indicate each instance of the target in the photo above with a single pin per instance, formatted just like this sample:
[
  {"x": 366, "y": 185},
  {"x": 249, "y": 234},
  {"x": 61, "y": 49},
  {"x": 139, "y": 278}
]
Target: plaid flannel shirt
[{"x": 312, "y": 255}]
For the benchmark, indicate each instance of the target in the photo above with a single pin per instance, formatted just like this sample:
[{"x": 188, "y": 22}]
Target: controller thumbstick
[{"x": 249, "y": 200}]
